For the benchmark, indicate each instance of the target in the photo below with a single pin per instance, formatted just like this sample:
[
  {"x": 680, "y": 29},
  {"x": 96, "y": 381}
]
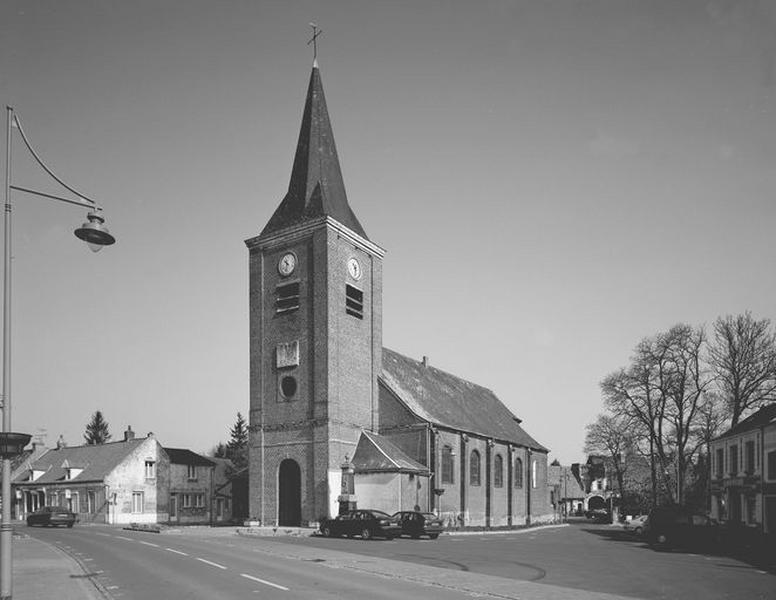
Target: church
[{"x": 338, "y": 420}]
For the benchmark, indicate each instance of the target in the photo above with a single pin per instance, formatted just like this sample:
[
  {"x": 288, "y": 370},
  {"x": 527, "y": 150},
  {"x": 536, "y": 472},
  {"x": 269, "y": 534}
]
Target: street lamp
[{"x": 96, "y": 235}]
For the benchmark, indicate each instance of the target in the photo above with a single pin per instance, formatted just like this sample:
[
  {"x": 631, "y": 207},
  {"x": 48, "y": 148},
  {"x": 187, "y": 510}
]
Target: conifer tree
[
  {"x": 237, "y": 447},
  {"x": 97, "y": 430}
]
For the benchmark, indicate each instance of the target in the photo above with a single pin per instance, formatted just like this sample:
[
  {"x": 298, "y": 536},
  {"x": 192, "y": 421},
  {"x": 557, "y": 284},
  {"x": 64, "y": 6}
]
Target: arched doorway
[
  {"x": 289, "y": 494},
  {"x": 596, "y": 503}
]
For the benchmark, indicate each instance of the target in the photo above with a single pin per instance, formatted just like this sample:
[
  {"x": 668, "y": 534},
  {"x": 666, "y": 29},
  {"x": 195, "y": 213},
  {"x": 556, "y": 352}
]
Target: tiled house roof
[
  {"x": 375, "y": 453},
  {"x": 764, "y": 416},
  {"x": 182, "y": 456},
  {"x": 97, "y": 461},
  {"x": 316, "y": 188},
  {"x": 449, "y": 401}
]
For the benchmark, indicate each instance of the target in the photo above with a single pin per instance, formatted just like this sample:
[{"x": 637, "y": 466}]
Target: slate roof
[
  {"x": 764, "y": 416},
  {"x": 96, "y": 460},
  {"x": 183, "y": 456},
  {"x": 449, "y": 401},
  {"x": 316, "y": 188},
  {"x": 375, "y": 453}
]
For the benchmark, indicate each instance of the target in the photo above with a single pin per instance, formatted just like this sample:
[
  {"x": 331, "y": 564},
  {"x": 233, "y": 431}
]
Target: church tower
[{"x": 315, "y": 302}]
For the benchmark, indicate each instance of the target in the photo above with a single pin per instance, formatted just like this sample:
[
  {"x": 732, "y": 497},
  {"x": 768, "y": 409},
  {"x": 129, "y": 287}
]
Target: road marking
[
  {"x": 176, "y": 551},
  {"x": 264, "y": 581},
  {"x": 121, "y": 537},
  {"x": 147, "y": 543},
  {"x": 207, "y": 562}
]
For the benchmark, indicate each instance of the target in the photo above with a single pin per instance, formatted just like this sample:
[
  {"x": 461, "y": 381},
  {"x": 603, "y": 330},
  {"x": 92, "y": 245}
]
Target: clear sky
[{"x": 552, "y": 181}]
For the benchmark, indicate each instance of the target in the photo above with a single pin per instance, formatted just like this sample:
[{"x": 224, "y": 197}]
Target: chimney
[
  {"x": 61, "y": 442},
  {"x": 425, "y": 361},
  {"x": 129, "y": 434}
]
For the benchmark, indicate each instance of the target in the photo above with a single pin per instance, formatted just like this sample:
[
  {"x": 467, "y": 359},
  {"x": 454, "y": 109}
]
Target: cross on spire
[{"x": 314, "y": 40}]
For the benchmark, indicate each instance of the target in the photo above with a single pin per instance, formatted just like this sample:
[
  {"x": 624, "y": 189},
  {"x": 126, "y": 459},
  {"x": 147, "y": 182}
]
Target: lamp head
[{"x": 94, "y": 232}]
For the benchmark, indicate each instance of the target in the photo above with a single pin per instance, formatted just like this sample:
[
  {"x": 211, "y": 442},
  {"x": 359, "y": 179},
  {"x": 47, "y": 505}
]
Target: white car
[{"x": 636, "y": 524}]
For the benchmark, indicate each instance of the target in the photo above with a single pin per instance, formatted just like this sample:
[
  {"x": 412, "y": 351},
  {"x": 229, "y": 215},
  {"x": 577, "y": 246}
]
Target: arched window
[
  {"x": 474, "y": 468},
  {"x": 498, "y": 471},
  {"x": 518, "y": 472},
  {"x": 447, "y": 465}
]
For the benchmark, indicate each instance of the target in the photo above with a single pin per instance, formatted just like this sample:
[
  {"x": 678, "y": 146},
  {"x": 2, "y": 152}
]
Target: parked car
[
  {"x": 416, "y": 524},
  {"x": 599, "y": 515},
  {"x": 668, "y": 526},
  {"x": 635, "y": 525},
  {"x": 51, "y": 516},
  {"x": 366, "y": 523}
]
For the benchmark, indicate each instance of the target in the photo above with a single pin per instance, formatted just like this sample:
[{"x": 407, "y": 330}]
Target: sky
[{"x": 552, "y": 181}]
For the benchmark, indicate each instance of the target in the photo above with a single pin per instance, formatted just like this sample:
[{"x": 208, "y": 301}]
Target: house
[
  {"x": 743, "y": 472},
  {"x": 191, "y": 487},
  {"x": 117, "y": 482},
  {"x": 230, "y": 494},
  {"x": 134, "y": 480},
  {"x": 326, "y": 397},
  {"x": 567, "y": 491}
]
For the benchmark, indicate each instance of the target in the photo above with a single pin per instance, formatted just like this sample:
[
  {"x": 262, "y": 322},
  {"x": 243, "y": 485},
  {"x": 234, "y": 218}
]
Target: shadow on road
[{"x": 760, "y": 558}]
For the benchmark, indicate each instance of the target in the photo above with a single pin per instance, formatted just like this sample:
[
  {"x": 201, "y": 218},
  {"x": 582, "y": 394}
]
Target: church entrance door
[{"x": 289, "y": 494}]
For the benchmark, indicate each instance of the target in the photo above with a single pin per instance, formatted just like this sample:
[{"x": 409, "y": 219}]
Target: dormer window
[
  {"x": 35, "y": 474},
  {"x": 72, "y": 472}
]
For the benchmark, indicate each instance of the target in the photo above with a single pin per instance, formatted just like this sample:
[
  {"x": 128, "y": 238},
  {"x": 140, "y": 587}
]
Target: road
[
  {"x": 579, "y": 561},
  {"x": 131, "y": 565},
  {"x": 581, "y": 556}
]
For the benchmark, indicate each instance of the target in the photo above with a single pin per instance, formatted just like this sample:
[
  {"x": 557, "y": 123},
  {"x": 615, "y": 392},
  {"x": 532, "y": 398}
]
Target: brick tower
[{"x": 315, "y": 287}]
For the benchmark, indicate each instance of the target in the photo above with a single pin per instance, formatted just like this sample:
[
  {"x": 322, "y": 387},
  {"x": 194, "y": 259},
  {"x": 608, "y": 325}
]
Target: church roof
[
  {"x": 449, "y": 401},
  {"x": 316, "y": 188},
  {"x": 375, "y": 453}
]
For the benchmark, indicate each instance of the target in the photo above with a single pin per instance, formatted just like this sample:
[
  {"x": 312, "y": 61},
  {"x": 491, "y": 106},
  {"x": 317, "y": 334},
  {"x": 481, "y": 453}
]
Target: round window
[{"x": 288, "y": 386}]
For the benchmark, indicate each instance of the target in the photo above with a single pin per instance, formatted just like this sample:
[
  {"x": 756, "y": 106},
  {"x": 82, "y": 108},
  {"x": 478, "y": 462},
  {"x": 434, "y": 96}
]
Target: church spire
[{"x": 316, "y": 188}]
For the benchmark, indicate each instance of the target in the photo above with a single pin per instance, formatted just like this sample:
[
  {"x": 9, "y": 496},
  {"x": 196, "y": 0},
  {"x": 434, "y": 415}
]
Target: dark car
[
  {"x": 416, "y": 524},
  {"x": 51, "y": 516},
  {"x": 366, "y": 523},
  {"x": 599, "y": 515},
  {"x": 669, "y": 526}
]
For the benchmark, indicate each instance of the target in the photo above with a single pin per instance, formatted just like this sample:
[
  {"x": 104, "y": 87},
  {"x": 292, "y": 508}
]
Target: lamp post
[{"x": 96, "y": 235}]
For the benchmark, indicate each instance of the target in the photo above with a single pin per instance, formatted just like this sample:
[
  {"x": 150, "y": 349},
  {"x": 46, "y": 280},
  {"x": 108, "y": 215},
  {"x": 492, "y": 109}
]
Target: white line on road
[
  {"x": 265, "y": 582},
  {"x": 207, "y": 562},
  {"x": 176, "y": 551},
  {"x": 121, "y": 537},
  {"x": 147, "y": 543}
]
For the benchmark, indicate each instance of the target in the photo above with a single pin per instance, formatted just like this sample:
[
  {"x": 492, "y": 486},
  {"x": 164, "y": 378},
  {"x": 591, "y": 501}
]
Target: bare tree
[
  {"x": 743, "y": 357},
  {"x": 611, "y": 436},
  {"x": 683, "y": 382},
  {"x": 633, "y": 393}
]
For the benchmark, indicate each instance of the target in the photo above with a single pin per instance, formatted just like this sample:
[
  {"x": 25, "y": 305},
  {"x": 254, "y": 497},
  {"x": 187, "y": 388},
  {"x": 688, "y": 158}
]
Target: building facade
[
  {"x": 134, "y": 480},
  {"x": 743, "y": 472},
  {"x": 321, "y": 380},
  {"x": 191, "y": 487}
]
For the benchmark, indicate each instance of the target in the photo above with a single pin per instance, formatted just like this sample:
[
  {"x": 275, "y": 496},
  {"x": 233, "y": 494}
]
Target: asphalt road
[
  {"x": 578, "y": 561},
  {"x": 130, "y": 565},
  {"x": 582, "y": 556}
]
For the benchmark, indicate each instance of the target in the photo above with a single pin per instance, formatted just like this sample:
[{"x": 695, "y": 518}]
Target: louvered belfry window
[{"x": 354, "y": 301}]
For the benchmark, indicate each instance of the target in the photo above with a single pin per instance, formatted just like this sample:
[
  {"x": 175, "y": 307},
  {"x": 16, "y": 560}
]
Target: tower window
[
  {"x": 287, "y": 297},
  {"x": 288, "y": 386},
  {"x": 354, "y": 301}
]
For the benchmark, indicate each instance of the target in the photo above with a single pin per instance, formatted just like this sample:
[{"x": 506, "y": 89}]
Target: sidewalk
[{"x": 43, "y": 572}]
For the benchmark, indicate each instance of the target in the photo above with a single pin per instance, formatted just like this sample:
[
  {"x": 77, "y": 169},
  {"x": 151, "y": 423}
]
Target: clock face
[
  {"x": 354, "y": 269},
  {"x": 287, "y": 264}
]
